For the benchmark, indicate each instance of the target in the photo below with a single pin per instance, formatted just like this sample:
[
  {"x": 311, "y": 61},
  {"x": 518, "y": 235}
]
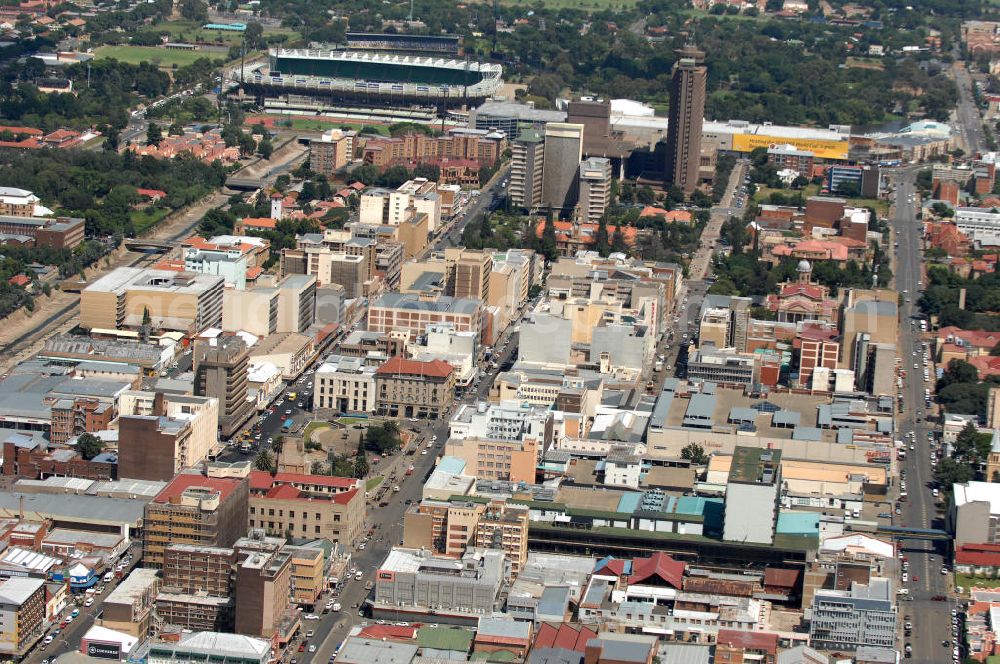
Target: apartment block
[
  {"x": 263, "y": 593},
  {"x": 55, "y": 232},
  {"x": 308, "y": 578},
  {"x": 526, "y": 169},
  {"x": 507, "y": 460},
  {"x": 198, "y": 585},
  {"x": 411, "y": 388},
  {"x": 714, "y": 326},
  {"x": 460, "y": 143},
  {"x": 447, "y": 527},
  {"x": 22, "y": 615},
  {"x": 467, "y": 273},
  {"x": 220, "y": 371},
  {"x": 687, "y": 114},
  {"x": 393, "y": 207},
  {"x": 254, "y": 311},
  {"x": 192, "y": 569},
  {"x": 179, "y": 301},
  {"x": 595, "y": 189},
  {"x": 227, "y": 258},
  {"x": 504, "y": 526},
  {"x": 819, "y": 346},
  {"x": 194, "y": 509},
  {"x": 398, "y": 312},
  {"x": 160, "y": 434},
  {"x": 129, "y": 607},
  {"x": 333, "y": 151}
]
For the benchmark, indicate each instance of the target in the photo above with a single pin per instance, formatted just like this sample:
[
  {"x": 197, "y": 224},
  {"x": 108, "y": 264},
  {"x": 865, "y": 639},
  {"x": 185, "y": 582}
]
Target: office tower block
[
  {"x": 526, "y": 169},
  {"x": 220, "y": 371},
  {"x": 687, "y": 112},
  {"x": 563, "y": 151},
  {"x": 595, "y": 189},
  {"x": 468, "y": 273}
]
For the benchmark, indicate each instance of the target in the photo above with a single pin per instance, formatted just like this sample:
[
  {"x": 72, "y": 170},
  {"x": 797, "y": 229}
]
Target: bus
[{"x": 287, "y": 425}]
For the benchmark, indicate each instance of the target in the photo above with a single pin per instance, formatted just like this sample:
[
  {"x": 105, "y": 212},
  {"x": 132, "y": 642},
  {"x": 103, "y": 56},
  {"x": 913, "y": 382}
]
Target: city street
[{"x": 931, "y": 619}]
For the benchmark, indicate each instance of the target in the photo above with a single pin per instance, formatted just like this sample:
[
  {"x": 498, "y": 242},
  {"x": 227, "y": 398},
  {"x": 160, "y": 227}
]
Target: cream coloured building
[
  {"x": 345, "y": 385},
  {"x": 181, "y": 301}
]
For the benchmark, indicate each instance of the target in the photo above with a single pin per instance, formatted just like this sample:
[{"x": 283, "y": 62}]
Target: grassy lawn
[
  {"x": 312, "y": 427},
  {"x": 322, "y": 124},
  {"x": 348, "y": 421},
  {"x": 881, "y": 206},
  {"x": 147, "y": 218},
  {"x": 763, "y": 193},
  {"x": 373, "y": 482},
  {"x": 189, "y": 31},
  {"x": 975, "y": 582},
  {"x": 161, "y": 57}
]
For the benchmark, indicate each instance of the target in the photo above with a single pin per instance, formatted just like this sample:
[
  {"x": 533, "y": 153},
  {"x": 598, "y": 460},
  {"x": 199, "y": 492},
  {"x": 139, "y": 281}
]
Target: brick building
[
  {"x": 482, "y": 146},
  {"x": 37, "y": 462}
]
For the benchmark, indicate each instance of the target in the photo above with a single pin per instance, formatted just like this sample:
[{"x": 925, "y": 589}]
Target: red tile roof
[
  {"x": 658, "y": 565},
  {"x": 564, "y": 636},
  {"x": 19, "y": 280},
  {"x": 398, "y": 365},
  {"x": 615, "y": 566},
  {"x": 748, "y": 640},
  {"x": 151, "y": 193},
  {"x": 776, "y": 577},
  {"x": 261, "y": 480},
  {"x": 683, "y": 216},
  {"x": 981, "y": 555},
  {"x": 986, "y": 365},
  {"x": 185, "y": 481},
  {"x": 974, "y": 338},
  {"x": 284, "y": 492},
  {"x": 391, "y": 632},
  {"x": 258, "y": 222}
]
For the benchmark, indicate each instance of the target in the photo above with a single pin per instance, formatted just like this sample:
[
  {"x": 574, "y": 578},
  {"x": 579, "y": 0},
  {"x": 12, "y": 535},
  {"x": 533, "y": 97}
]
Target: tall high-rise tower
[{"x": 687, "y": 112}]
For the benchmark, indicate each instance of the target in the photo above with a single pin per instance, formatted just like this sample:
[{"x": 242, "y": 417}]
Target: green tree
[
  {"x": 194, "y": 10},
  {"x": 154, "y": 135},
  {"x": 361, "y": 467},
  {"x": 263, "y": 460},
  {"x": 254, "y": 36},
  {"x": 601, "y": 245},
  {"x": 694, "y": 453},
  {"x": 89, "y": 445},
  {"x": 618, "y": 240},
  {"x": 112, "y": 138},
  {"x": 265, "y": 148},
  {"x": 383, "y": 437}
]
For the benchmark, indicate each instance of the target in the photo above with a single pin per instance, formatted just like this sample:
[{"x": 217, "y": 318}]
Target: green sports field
[{"x": 161, "y": 57}]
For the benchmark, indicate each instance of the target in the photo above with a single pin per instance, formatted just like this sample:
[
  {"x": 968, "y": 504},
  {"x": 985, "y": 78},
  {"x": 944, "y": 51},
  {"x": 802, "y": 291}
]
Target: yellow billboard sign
[{"x": 822, "y": 148}]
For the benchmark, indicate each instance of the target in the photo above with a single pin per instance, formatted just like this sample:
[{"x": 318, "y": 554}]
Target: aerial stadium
[{"x": 375, "y": 79}]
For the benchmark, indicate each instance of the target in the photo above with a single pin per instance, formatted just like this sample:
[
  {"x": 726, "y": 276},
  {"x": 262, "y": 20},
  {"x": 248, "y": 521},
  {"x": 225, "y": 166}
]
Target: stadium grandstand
[
  {"x": 373, "y": 78},
  {"x": 403, "y": 43}
]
